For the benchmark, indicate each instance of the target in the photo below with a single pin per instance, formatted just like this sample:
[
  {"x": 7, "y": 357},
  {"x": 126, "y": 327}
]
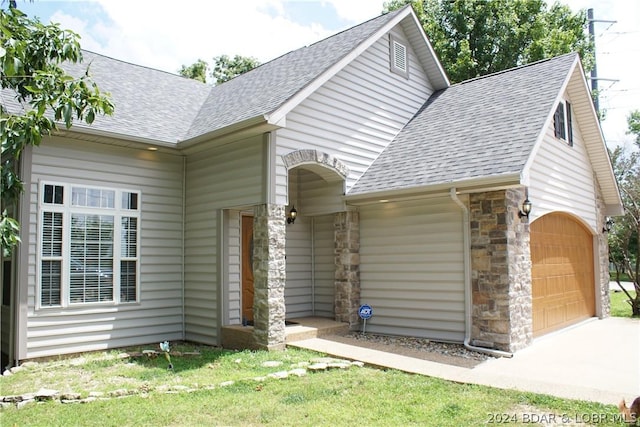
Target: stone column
[
  {"x": 347, "y": 263},
  {"x": 269, "y": 274},
  {"x": 602, "y": 245},
  {"x": 501, "y": 271}
]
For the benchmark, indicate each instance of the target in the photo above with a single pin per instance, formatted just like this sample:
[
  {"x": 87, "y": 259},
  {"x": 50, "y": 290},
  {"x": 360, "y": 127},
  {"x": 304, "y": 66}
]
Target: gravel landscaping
[{"x": 420, "y": 348}]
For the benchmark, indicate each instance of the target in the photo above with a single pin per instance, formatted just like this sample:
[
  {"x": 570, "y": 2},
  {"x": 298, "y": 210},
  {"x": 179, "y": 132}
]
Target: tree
[
  {"x": 634, "y": 125},
  {"x": 474, "y": 38},
  {"x": 31, "y": 54},
  {"x": 624, "y": 241},
  {"x": 196, "y": 71},
  {"x": 224, "y": 68}
]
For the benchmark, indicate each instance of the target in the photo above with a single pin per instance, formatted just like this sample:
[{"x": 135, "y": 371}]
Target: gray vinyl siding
[
  {"x": 309, "y": 289},
  {"x": 562, "y": 179},
  {"x": 323, "y": 266},
  {"x": 223, "y": 178},
  {"x": 412, "y": 268},
  {"x": 234, "y": 268},
  {"x": 355, "y": 114},
  {"x": 298, "y": 287},
  {"x": 313, "y": 195},
  {"x": 158, "y": 314}
]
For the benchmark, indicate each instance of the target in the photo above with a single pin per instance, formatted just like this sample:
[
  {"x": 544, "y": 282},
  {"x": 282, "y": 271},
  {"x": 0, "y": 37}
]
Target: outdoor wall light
[
  {"x": 608, "y": 224},
  {"x": 293, "y": 214},
  {"x": 526, "y": 209}
]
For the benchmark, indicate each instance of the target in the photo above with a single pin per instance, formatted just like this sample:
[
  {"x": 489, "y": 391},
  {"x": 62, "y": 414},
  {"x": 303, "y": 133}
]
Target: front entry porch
[{"x": 239, "y": 337}]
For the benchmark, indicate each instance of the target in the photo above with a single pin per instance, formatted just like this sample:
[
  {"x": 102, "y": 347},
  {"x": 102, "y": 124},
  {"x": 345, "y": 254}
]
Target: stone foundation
[
  {"x": 501, "y": 271},
  {"x": 269, "y": 273},
  {"x": 347, "y": 264}
]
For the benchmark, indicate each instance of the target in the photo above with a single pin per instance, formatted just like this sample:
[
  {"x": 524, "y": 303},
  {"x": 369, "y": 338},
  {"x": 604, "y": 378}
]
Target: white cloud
[
  {"x": 165, "y": 34},
  {"x": 357, "y": 10}
]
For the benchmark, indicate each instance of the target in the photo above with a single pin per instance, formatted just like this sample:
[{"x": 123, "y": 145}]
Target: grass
[
  {"x": 357, "y": 396},
  {"x": 619, "y": 305}
]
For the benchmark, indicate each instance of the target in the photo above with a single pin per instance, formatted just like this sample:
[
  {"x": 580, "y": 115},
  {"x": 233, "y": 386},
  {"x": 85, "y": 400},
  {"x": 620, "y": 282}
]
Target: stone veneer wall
[
  {"x": 501, "y": 271},
  {"x": 602, "y": 244},
  {"x": 347, "y": 264},
  {"x": 269, "y": 274}
]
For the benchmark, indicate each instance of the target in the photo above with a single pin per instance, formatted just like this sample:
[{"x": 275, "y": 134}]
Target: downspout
[
  {"x": 313, "y": 266},
  {"x": 467, "y": 282},
  {"x": 184, "y": 224}
]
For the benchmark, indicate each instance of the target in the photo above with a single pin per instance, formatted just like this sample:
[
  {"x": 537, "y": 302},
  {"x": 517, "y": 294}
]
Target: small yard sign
[{"x": 365, "y": 312}]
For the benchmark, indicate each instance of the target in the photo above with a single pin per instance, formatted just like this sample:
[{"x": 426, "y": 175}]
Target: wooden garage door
[{"x": 562, "y": 273}]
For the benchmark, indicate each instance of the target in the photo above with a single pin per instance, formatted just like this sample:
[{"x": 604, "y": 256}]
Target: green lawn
[
  {"x": 619, "y": 305},
  {"x": 156, "y": 396}
]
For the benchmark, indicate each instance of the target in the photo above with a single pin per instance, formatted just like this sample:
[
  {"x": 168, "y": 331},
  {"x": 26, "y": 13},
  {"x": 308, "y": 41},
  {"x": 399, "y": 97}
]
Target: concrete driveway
[{"x": 597, "y": 360}]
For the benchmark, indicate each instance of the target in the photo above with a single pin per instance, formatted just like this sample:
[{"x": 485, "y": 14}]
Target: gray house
[{"x": 172, "y": 219}]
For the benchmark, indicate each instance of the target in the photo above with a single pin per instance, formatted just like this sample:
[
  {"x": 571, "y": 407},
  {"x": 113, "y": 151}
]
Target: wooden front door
[
  {"x": 562, "y": 272},
  {"x": 247, "y": 268}
]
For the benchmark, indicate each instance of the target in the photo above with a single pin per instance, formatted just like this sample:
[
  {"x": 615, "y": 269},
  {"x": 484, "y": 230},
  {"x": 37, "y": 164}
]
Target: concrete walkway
[
  {"x": 597, "y": 360},
  {"x": 615, "y": 287}
]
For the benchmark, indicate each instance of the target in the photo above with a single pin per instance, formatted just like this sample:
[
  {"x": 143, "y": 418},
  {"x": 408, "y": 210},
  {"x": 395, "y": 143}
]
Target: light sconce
[
  {"x": 608, "y": 225},
  {"x": 526, "y": 209},
  {"x": 293, "y": 214}
]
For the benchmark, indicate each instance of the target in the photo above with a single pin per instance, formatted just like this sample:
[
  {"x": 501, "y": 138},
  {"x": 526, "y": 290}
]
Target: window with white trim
[
  {"x": 398, "y": 56},
  {"x": 562, "y": 123},
  {"x": 89, "y": 245}
]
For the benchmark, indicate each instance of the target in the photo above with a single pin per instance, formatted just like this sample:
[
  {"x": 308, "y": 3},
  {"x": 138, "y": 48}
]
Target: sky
[{"x": 166, "y": 34}]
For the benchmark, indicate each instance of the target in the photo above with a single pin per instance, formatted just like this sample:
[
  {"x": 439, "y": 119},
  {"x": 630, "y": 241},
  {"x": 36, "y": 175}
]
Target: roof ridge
[
  {"x": 509, "y": 70},
  {"x": 111, "y": 58}
]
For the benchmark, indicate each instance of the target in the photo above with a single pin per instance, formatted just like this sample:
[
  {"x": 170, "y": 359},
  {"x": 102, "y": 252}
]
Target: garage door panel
[{"x": 563, "y": 286}]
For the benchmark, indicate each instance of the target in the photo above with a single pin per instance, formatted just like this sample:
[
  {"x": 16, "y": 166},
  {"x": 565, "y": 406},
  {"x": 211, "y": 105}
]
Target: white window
[
  {"x": 562, "y": 125},
  {"x": 89, "y": 245},
  {"x": 399, "y": 57}
]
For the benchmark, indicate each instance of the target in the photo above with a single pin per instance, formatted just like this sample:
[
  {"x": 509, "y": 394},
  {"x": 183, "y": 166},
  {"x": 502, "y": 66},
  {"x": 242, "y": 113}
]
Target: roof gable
[
  {"x": 287, "y": 79},
  {"x": 478, "y": 129}
]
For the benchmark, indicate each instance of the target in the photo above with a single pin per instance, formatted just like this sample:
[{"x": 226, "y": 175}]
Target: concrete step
[{"x": 241, "y": 337}]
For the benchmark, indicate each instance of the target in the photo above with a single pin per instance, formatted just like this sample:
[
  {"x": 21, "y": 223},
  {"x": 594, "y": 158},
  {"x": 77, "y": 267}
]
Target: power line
[{"x": 594, "y": 70}]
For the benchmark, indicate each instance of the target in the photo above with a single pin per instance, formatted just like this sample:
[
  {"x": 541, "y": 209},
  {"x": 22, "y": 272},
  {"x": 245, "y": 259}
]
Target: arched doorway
[{"x": 562, "y": 273}]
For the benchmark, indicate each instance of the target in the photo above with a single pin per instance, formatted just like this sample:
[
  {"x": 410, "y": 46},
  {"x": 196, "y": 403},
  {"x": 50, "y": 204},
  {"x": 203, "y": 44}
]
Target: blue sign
[{"x": 365, "y": 312}]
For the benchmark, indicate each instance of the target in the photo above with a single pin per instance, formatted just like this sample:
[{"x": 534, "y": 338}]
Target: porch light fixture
[
  {"x": 526, "y": 209},
  {"x": 293, "y": 214},
  {"x": 608, "y": 225}
]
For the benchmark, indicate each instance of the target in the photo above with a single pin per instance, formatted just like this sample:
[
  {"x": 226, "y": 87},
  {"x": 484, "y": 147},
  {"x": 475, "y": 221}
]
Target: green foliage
[
  {"x": 633, "y": 120},
  {"x": 474, "y": 38},
  {"x": 226, "y": 68},
  {"x": 624, "y": 245},
  {"x": 44, "y": 94},
  {"x": 196, "y": 71}
]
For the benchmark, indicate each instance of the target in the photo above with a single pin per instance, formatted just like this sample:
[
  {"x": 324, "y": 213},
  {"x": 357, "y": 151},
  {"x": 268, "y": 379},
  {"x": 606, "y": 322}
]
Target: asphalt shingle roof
[
  {"x": 149, "y": 103},
  {"x": 267, "y": 87},
  {"x": 164, "y": 107},
  {"x": 478, "y": 128}
]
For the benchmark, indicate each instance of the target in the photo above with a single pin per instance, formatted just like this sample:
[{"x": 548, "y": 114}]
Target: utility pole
[{"x": 594, "y": 70}]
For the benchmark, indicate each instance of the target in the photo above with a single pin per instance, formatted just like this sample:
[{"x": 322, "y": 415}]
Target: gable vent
[{"x": 398, "y": 56}]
